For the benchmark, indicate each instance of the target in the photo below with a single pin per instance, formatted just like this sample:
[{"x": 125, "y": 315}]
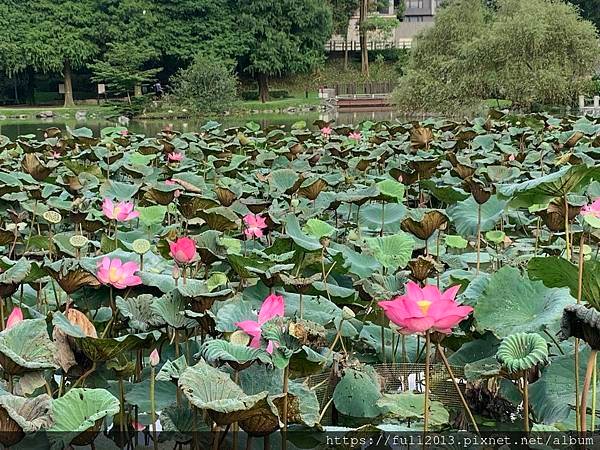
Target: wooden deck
[{"x": 362, "y": 102}]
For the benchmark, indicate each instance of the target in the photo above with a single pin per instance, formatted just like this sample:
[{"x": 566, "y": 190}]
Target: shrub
[
  {"x": 273, "y": 93},
  {"x": 208, "y": 85}
]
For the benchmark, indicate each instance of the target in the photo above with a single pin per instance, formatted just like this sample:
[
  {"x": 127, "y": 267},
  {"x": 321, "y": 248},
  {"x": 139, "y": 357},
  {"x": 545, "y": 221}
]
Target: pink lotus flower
[
  {"x": 183, "y": 250},
  {"x": 124, "y": 133},
  {"x": 137, "y": 426},
  {"x": 511, "y": 157},
  {"x": 55, "y": 155},
  {"x": 427, "y": 309},
  {"x": 14, "y": 318},
  {"x": 118, "y": 274},
  {"x": 593, "y": 209},
  {"x": 170, "y": 182},
  {"x": 175, "y": 156},
  {"x": 154, "y": 358},
  {"x": 255, "y": 224},
  {"x": 121, "y": 212},
  {"x": 326, "y": 131},
  {"x": 355, "y": 136},
  {"x": 273, "y": 306}
]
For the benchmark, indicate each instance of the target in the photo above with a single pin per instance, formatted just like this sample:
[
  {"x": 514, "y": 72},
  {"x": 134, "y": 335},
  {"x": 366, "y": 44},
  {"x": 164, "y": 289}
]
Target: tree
[
  {"x": 535, "y": 51},
  {"x": 341, "y": 12},
  {"x": 207, "y": 85},
  {"x": 62, "y": 35},
  {"x": 590, "y": 10},
  {"x": 280, "y": 37},
  {"x": 122, "y": 68}
]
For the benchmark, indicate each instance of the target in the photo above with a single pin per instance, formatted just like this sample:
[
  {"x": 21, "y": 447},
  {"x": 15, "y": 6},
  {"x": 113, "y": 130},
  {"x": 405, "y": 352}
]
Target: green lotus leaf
[
  {"x": 170, "y": 307},
  {"x": 319, "y": 228},
  {"x": 220, "y": 218},
  {"x": 179, "y": 424},
  {"x": 391, "y": 190},
  {"x": 464, "y": 215},
  {"x": 214, "y": 391},
  {"x": 393, "y": 252},
  {"x": 410, "y": 406},
  {"x": 283, "y": 181},
  {"x": 552, "y": 396},
  {"x": 171, "y": 370},
  {"x": 104, "y": 349},
  {"x": 81, "y": 410},
  {"x": 238, "y": 356},
  {"x": 14, "y": 273},
  {"x": 522, "y": 351},
  {"x": 445, "y": 194},
  {"x": 568, "y": 179},
  {"x": 302, "y": 240},
  {"x": 252, "y": 267},
  {"x": 152, "y": 215},
  {"x": 456, "y": 241},
  {"x": 138, "y": 310},
  {"x": 30, "y": 414},
  {"x": 357, "y": 393},
  {"x": 26, "y": 347},
  {"x": 165, "y": 394},
  {"x": 513, "y": 304},
  {"x": 118, "y": 190},
  {"x": 557, "y": 272},
  {"x": 495, "y": 236}
]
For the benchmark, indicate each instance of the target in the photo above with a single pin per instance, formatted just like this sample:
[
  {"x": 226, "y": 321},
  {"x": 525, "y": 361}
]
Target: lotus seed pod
[
  {"x": 78, "y": 241},
  {"x": 141, "y": 246},
  {"x": 239, "y": 337},
  {"x": 295, "y": 202},
  {"x": 52, "y": 217},
  {"x": 347, "y": 313}
]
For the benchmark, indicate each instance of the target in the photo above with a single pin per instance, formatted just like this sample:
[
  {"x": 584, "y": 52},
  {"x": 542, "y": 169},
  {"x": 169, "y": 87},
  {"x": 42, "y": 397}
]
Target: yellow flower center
[
  {"x": 113, "y": 275},
  {"x": 424, "y": 305},
  {"x": 116, "y": 211}
]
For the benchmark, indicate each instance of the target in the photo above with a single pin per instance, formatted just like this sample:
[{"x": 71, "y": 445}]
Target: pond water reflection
[{"x": 18, "y": 127}]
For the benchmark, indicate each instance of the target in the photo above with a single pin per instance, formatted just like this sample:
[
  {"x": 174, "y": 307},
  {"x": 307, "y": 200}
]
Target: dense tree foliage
[
  {"x": 536, "y": 51},
  {"x": 590, "y": 9},
  {"x": 265, "y": 38},
  {"x": 208, "y": 85},
  {"x": 281, "y": 36}
]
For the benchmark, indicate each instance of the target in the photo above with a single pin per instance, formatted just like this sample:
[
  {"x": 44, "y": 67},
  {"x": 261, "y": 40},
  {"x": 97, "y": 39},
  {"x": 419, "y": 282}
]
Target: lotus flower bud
[
  {"x": 154, "y": 358},
  {"x": 294, "y": 202}
]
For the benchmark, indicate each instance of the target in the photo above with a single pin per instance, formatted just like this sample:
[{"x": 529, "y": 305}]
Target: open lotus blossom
[
  {"x": 511, "y": 157},
  {"x": 124, "y": 133},
  {"x": 593, "y": 209},
  {"x": 355, "y": 136},
  {"x": 121, "y": 212},
  {"x": 115, "y": 273},
  {"x": 273, "y": 306},
  {"x": 175, "y": 156},
  {"x": 326, "y": 131},
  {"x": 255, "y": 224},
  {"x": 425, "y": 309},
  {"x": 183, "y": 250},
  {"x": 14, "y": 318}
]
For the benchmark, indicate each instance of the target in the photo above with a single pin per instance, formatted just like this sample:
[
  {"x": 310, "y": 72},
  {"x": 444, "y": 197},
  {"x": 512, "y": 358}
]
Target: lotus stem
[
  {"x": 426, "y": 400},
  {"x": 382, "y": 217},
  {"x": 586, "y": 387},
  {"x": 579, "y": 296},
  {"x": 478, "y": 237},
  {"x": 153, "y": 408},
  {"x": 382, "y": 336},
  {"x": 301, "y": 305},
  {"x": 286, "y": 376},
  {"x": 440, "y": 352},
  {"x": 593, "y": 426},
  {"x": 567, "y": 245},
  {"x": 1, "y": 314},
  {"x": 526, "y": 402},
  {"x": 121, "y": 405}
]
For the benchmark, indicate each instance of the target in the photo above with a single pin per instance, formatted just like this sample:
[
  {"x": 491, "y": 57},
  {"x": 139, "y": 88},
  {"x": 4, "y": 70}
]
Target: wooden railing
[
  {"x": 354, "y": 46},
  {"x": 367, "y": 88}
]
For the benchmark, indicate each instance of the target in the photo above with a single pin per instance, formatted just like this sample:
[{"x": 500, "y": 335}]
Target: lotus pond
[{"x": 230, "y": 287}]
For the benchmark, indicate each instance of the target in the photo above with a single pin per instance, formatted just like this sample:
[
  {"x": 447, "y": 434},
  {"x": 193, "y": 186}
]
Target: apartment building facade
[{"x": 418, "y": 15}]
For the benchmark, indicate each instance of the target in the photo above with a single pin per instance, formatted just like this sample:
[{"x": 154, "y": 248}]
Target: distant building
[{"x": 418, "y": 15}]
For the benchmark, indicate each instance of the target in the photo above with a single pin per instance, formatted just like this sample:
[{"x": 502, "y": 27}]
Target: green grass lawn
[
  {"x": 61, "y": 111},
  {"x": 297, "y": 100}
]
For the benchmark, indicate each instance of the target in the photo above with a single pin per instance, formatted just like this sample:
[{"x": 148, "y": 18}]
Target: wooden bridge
[
  {"x": 336, "y": 45},
  {"x": 350, "y": 97},
  {"x": 591, "y": 110}
]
